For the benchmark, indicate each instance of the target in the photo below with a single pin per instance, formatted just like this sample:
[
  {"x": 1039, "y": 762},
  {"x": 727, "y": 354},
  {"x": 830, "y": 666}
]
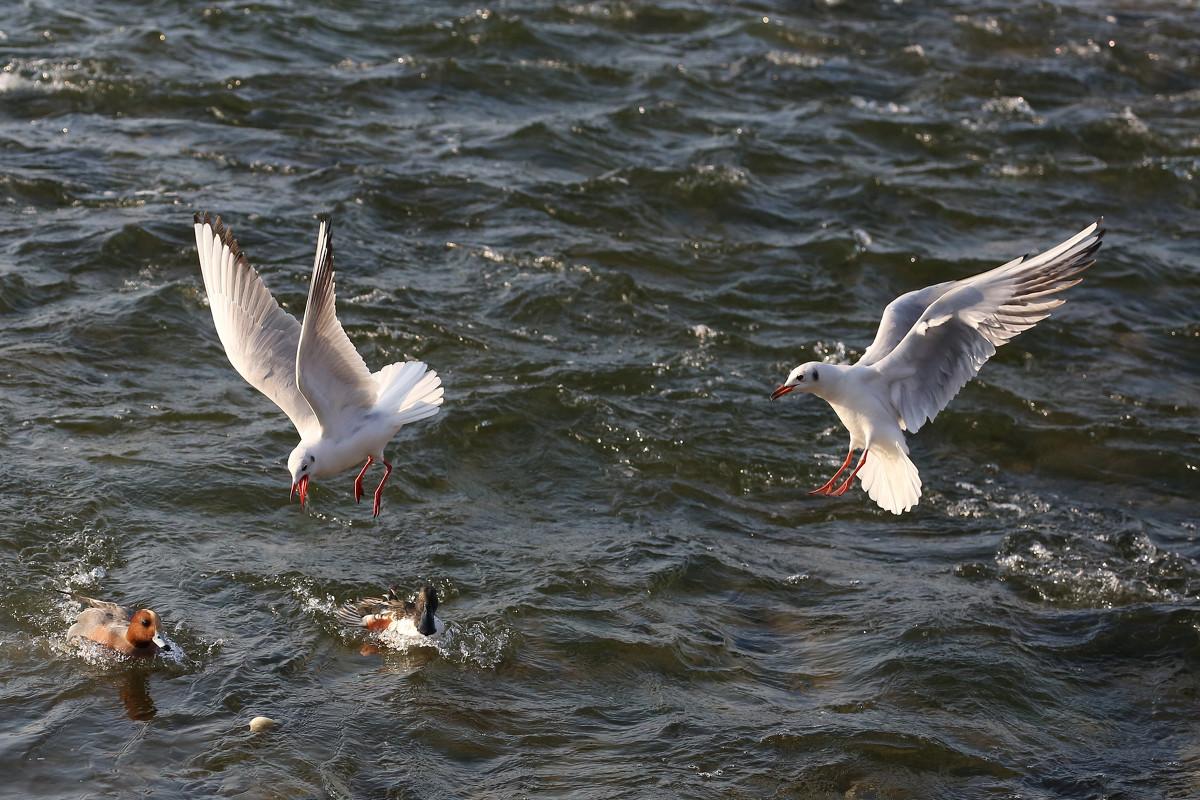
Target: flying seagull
[
  {"x": 930, "y": 343},
  {"x": 344, "y": 412}
]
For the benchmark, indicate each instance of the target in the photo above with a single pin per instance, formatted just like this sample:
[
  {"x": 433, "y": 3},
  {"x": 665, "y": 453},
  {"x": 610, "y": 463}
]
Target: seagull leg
[
  {"x": 841, "y": 490},
  {"x": 387, "y": 473},
  {"x": 358, "y": 492},
  {"x": 829, "y": 484}
]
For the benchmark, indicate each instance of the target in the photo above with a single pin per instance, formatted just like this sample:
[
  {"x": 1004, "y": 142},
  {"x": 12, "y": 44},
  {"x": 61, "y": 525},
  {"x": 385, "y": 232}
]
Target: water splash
[
  {"x": 476, "y": 644},
  {"x": 1104, "y": 569}
]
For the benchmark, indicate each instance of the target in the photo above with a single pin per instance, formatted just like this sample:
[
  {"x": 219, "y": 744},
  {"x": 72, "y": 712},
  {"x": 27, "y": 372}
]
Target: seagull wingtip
[{"x": 221, "y": 231}]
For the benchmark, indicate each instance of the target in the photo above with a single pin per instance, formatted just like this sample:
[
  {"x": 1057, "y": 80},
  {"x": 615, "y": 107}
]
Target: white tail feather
[
  {"x": 891, "y": 479},
  {"x": 410, "y": 390}
]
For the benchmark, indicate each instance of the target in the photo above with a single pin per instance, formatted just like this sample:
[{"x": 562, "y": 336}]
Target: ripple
[{"x": 612, "y": 227}]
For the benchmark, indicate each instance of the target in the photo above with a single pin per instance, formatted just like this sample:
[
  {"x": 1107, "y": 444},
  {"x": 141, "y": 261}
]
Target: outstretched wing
[
  {"x": 363, "y": 613},
  {"x": 329, "y": 371},
  {"x": 259, "y": 337},
  {"x": 899, "y": 317},
  {"x": 963, "y": 326},
  {"x": 354, "y": 613}
]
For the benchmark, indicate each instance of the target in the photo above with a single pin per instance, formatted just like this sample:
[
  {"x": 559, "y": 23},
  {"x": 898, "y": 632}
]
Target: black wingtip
[
  {"x": 223, "y": 233},
  {"x": 326, "y": 225},
  {"x": 226, "y": 235}
]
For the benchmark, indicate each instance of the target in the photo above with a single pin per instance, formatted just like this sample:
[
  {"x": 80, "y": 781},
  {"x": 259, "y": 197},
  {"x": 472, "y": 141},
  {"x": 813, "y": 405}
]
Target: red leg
[
  {"x": 358, "y": 492},
  {"x": 825, "y": 489},
  {"x": 387, "y": 473},
  {"x": 841, "y": 490}
]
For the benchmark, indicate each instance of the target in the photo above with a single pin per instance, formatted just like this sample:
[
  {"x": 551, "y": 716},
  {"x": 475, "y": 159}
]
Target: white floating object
[{"x": 260, "y": 724}]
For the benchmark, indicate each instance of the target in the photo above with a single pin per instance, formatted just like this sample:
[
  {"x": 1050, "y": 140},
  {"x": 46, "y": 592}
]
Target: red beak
[
  {"x": 301, "y": 486},
  {"x": 781, "y": 391}
]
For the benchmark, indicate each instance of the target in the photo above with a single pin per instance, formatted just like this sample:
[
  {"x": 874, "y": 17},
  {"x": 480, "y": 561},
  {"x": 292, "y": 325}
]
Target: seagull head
[
  {"x": 301, "y": 463},
  {"x": 805, "y": 378}
]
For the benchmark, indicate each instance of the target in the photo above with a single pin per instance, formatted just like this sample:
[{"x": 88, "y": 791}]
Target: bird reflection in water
[{"x": 135, "y": 694}]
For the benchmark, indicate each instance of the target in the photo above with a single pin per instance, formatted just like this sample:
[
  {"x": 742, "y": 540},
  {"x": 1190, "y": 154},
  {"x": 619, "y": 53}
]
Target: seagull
[
  {"x": 930, "y": 343},
  {"x": 343, "y": 412}
]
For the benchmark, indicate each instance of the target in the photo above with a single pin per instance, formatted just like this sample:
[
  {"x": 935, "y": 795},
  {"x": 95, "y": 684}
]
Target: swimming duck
[
  {"x": 132, "y": 634},
  {"x": 391, "y": 614}
]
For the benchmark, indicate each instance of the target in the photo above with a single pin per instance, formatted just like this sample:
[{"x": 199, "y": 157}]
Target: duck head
[
  {"x": 423, "y": 608},
  {"x": 143, "y": 633}
]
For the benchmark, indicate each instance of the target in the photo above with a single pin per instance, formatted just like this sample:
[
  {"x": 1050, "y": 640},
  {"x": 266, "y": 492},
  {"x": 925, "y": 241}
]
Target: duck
[
  {"x": 135, "y": 634},
  {"x": 391, "y": 614}
]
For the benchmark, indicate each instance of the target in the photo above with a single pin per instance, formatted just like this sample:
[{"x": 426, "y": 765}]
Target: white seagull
[
  {"x": 344, "y": 412},
  {"x": 930, "y": 343}
]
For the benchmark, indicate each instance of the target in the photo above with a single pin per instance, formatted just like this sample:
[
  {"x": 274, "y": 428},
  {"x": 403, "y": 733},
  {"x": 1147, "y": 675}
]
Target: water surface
[{"x": 612, "y": 227}]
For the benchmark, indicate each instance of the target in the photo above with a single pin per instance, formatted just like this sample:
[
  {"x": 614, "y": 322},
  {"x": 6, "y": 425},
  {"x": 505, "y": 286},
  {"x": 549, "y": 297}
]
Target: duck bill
[
  {"x": 781, "y": 391},
  {"x": 159, "y": 641},
  {"x": 300, "y": 487}
]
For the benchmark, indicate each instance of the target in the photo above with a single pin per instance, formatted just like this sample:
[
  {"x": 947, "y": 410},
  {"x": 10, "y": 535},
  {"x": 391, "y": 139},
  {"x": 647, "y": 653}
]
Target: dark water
[{"x": 613, "y": 227}]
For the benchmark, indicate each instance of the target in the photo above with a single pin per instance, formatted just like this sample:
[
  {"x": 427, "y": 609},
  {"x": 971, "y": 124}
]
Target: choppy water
[{"x": 612, "y": 227}]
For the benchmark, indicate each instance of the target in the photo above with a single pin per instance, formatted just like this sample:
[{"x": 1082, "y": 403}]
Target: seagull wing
[
  {"x": 329, "y": 370},
  {"x": 965, "y": 323},
  {"x": 899, "y": 317},
  {"x": 260, "y": 338}
]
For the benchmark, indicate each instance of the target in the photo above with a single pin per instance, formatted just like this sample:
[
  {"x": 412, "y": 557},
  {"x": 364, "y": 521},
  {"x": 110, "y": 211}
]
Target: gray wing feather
[
  {"x": 329, "y": 371},
  {"x": 352, "y": 613},
  {"x": 899, "y": 317},
  {"x": 349, "y": 614},
  {"x": 961, "y": 329},
  {"x": 111, "y": 609}
]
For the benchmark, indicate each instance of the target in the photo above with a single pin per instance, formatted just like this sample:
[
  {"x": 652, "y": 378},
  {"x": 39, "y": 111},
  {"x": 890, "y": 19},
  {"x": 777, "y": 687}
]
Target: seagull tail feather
[
  {"x": 411, "y": 391},
  {"x": 891, "y": 479}
]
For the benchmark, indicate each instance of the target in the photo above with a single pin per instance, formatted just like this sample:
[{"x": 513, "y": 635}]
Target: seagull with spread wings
[
  {"x": 930, "y": 343},
  {"x": 344, "y": 412}
]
